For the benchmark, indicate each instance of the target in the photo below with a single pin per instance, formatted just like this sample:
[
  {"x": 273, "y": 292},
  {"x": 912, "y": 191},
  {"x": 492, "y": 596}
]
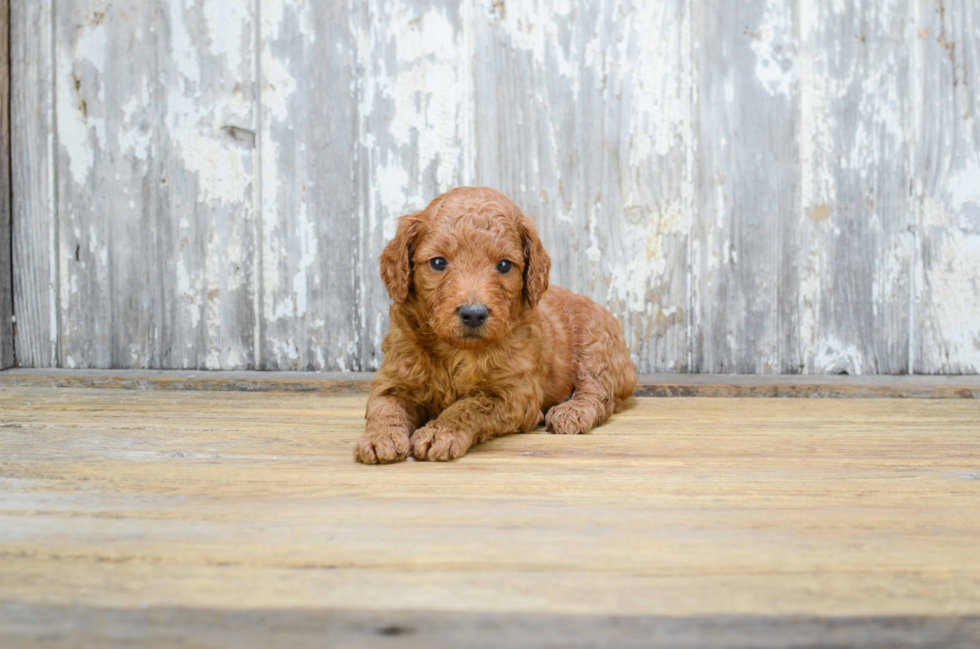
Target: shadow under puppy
[{"x": 479, "y": 346}]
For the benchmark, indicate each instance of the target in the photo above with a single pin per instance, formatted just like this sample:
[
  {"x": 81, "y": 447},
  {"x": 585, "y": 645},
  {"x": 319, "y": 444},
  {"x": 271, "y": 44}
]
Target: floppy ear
[
  {"x": 537, "y": 263},
  {"x": 396, "y": 258}
]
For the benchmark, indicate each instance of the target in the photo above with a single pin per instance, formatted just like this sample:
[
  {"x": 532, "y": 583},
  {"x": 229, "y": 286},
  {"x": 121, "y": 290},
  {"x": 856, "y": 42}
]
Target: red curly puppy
[{"x": 479, "y": 346}]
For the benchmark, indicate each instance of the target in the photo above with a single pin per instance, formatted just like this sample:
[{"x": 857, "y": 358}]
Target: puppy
[{"x": 479, "y": 345}]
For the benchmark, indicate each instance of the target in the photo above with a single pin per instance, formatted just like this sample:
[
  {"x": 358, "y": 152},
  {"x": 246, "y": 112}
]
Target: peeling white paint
[
  {"x": 234, "y": 359},
  {"x": 182, "y": 48},
  {"x": 533, "y": 27},
  {"x": 391, "y": 187},
  {"x": 91, "y": 46},
  {"x": 599, "y": 132},
  {"x": 278, "y": 86},
  {"x": 948, "y": 291},
  {"x": 648, "y": 241},
  {"x": 659, "y": 110},
  {"x": 415, "y": 102},
  {"x": 817, "y": 126},
  {"x": 835, "y": 357},
  {"x": 76, "y": 125},
  {"x": 136, "y": 139},
  {"x": 228, "y": 23},
  {"x": 963, "y": 186},
  {"x": 854, "y": 115},
  {"x": 190, "y": 290},
  {"x": 594, "y": 251},
  {"x": 98, "y": 250},
  {"x": 222, "y": 175},
  {"x": 308, "y": 248},
  {"x": 195, "y": 123},
  {"x": 773, "y": 43}
]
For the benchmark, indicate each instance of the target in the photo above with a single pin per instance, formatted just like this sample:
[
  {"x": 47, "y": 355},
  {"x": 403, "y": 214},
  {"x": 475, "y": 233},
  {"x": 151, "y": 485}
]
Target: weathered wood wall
[
  {"x": 758, "y": 186},
  {"x": 6, "y": 264}
]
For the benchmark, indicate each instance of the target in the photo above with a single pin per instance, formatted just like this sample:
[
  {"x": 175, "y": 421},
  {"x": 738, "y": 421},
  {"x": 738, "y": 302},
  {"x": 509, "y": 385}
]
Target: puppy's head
[{"x": 468, "y": 264}]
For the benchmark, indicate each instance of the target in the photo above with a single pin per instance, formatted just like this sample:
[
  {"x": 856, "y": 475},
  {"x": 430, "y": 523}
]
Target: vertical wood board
[
  {"x": 855, "y": 218},
  {"x": 946, "y": 138},
  {"x": 583, "y": 117},
  {"x": 32, "y": 133},
  {"x": 6, "y": 263},
  {"x": 416, "y": 130},
  {"x": 309, "y": 220},
  {"x": 744, "y": 249},
  {"x": 155, "y": 161}
]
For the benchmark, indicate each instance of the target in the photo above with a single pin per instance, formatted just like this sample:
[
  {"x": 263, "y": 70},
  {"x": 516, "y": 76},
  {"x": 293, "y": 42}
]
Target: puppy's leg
[
  {"x": 591, "y": 405},
  {"x": 390, "y": 422},
  {"x": 473, "y": 420},
  {"x": 605, "y": 378}
]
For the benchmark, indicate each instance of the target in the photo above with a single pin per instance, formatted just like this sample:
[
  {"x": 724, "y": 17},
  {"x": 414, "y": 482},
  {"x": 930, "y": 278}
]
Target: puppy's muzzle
[{"x": 473, "y": 315}]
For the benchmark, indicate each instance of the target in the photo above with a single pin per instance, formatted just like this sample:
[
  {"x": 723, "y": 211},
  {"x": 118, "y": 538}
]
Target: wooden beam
[
  {"x": 6, "y": 224},
  {"x": 41, "y": 625},
  {"x": 32, "y": 144},
  {"x": 650, "y": 385},
  {"x": 242, "y": 381}
]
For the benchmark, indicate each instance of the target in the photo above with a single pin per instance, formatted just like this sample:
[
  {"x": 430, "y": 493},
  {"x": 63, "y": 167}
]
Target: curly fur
[{"x": 543, "y": 353}]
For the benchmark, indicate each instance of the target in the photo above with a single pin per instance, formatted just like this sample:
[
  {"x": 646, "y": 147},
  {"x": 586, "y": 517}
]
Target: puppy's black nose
[{"x": 473, "y": 315}]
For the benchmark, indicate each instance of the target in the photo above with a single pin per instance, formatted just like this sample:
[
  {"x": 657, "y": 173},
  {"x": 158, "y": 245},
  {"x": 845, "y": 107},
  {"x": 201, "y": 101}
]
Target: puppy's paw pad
[
  {"x": 567, "y": 419},
  {"x": 439, "y": 444},
  {"x": 381, "y": 447}
]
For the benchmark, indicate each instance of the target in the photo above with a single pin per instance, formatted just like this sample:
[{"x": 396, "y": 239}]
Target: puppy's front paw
[
  {"x": 439, "y": 443},
  {"x": 568, "y": 418},
  {"x": 381, "y": 447}
]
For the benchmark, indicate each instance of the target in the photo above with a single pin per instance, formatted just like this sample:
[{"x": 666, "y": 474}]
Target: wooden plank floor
[{"x": 154, "y": 518}]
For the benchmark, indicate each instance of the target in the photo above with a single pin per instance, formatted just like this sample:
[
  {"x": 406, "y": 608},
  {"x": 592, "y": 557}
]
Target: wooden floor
[{"x": 158, "y": 518}]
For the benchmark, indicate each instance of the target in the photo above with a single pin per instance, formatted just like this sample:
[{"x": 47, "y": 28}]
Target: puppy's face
[
  {"x": 474, "y": 264},
  {"x": 469, "y": 276}
]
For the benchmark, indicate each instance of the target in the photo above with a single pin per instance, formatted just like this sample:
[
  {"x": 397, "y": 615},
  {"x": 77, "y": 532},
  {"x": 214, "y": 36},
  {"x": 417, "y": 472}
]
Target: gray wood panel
[
  {"x": 766, "y": 187},
  {"x": 946, "y": 132},
  {"x": 363, "y": 121},
  {"x": 155, "y": 167},
  {"x": 583, "y": 116},
  {"x": 6, "y": 265},
  {"x": 744, "y": 249},
  {"x": 39, "y": 624},
  {"x": 854, "y": 233},
  {"x": 32, "y": 176},
  {"x": 416, "y": 131},
  {"x": 310, "y": 221}
]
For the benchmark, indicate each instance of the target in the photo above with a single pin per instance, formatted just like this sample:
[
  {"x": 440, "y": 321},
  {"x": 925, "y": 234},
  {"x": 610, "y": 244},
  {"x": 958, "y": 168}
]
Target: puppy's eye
[
  {"x": 504, "y": 266},
  {"x": 438, "y": 264}
]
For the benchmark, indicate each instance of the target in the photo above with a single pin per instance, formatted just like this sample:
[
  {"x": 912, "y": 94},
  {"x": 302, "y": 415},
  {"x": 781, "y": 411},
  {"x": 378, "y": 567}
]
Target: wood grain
[
  {"x": 947, "y": 186},
  {"x": 71, "y": 626},
  {"x": 583, "y": 116},
  {"x": 649, "y": 385},
  {"x": 855, "y": 217},
  {"x": 156, "y": 272},
  {"x": 816, "y": 509},
  {"x": 35, "y": 231},
  {"x": 416, "y": 131},
  {"x": 6, "y": 263},
  {"x": 745, "y": 251},
  {"x": 310, "y": 225},
  {"x": 766, "y": 187},
  {"x": 230, "y": 381}
]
